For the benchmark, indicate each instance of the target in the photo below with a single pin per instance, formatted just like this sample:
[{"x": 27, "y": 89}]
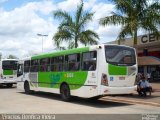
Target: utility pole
[{"x": 42, "y": 35}]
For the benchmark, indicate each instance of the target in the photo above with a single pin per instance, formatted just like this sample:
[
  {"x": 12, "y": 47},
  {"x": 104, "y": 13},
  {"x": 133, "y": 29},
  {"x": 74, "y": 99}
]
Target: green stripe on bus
[
  {"x": 117, "y": 70},
  {"x": 59, "y": 53},
  {"x": 73, "y": 78},
  {"x": 7, "y": 72}
]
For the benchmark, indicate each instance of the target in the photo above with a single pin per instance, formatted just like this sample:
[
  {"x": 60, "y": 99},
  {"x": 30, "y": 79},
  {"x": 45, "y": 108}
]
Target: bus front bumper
[{"x": 5, "y": 81}]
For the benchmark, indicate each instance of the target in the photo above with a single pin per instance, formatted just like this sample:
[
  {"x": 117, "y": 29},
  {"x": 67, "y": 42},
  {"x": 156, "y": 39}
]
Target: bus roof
[
  {"x": 9, "y": 59},
  {"x": 63, "y": 52},
  {"x": 70, "y": 51}
]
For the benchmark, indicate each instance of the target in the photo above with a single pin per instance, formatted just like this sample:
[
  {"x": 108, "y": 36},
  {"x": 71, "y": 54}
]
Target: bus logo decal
[
  {"x": 54, "y": 79},
  {"x": 111, "y": 78}
]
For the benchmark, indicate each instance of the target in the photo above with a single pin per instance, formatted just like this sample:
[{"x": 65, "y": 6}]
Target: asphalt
[{"x": 153, "y": 100}]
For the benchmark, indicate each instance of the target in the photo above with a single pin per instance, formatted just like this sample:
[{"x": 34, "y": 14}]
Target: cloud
[
  {"x": 68, "y": 5},
  {"x": 102, "y": 10},
  {"x": 89, "y": 4},
  {"x": 106, "y": 33},
  {"x": 19, "y": 27}
]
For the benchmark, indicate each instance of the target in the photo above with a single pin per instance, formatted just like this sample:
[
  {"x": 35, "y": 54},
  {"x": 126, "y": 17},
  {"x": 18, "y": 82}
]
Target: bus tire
[
  {"x": 65, "y": 92},
  {"x": 9, "y": 85},
  {"x": 27, "y": 88}
]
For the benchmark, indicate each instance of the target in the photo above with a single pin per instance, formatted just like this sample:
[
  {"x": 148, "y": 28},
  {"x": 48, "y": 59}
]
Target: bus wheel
[
  {"x": 9, "y": 85},
  {"x": 27, "y": 88},
  {"x": 65, "y": 92}
]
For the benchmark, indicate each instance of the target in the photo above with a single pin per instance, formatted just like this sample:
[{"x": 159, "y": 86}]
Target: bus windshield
[
  {"x": 120, "y": 55},
  {"x": 9, "y": 65}
]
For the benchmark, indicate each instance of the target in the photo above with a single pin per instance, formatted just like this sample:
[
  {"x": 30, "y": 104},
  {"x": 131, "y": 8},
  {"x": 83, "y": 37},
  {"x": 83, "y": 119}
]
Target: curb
[
  {"x": 156, "y": 90},
  {"x": 130, "y": 101}
]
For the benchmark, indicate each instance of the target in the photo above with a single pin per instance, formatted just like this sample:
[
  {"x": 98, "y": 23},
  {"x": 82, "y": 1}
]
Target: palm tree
[
  {"x": 134, "y": 15},
  {"x": 72, "y": 30}
]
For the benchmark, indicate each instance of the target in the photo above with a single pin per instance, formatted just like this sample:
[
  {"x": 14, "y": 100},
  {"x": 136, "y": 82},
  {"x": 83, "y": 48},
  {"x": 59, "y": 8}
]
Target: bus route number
[{"x": 69, "y": 75}]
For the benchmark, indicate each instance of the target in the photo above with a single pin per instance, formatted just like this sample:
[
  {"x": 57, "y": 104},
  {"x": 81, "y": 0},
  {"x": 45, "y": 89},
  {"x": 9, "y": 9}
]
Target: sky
[{"x": 22, "y": 20}]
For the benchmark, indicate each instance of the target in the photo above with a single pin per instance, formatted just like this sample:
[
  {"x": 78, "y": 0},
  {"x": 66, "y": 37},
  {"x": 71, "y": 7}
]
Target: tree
[
  {"x": 72, "y": 29},
  {"x": 12, "y": 57},
  {"x": 134, "y": 15}
]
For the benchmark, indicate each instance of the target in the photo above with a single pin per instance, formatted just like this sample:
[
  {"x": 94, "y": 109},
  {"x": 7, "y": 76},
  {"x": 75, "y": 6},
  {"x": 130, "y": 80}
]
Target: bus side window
[
  {"x": 89, "y": 61},
  {"x": 60, "y": 65},
  {"x": 57, "y": 63},
  {"x": 74, "y": 62},
  {"x": 26, "y": 66},
  {"x": 34, "y": 66},
  {"x": 66, "y": 63},
  {"x": 45, "y": 65},
  {"x": 52, "y": 64}
]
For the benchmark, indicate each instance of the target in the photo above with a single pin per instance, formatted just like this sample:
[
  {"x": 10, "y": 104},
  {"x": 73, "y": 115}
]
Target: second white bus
[{"x": 8, "y": 72}]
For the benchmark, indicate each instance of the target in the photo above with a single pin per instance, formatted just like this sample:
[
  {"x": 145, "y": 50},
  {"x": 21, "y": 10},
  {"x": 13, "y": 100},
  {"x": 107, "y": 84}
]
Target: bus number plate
[{"x": 121, "y": 78}]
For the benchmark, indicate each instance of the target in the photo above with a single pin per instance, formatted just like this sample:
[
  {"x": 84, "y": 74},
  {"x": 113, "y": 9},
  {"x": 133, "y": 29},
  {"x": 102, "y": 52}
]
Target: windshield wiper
[{"x": 122, "y": 64}]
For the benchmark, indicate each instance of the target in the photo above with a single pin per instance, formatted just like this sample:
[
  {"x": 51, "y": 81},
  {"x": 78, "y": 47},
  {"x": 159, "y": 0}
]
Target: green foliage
[
  {"x": 72, "y": 29},
  {"x": 134, "y": 15},
  {"x": 12, "y": 57}
]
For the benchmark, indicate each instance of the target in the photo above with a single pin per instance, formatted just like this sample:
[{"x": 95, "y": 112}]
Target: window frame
[
  {"x": 67, "y": 63},
  {"x": 45, "y": 67},
  {"x": 27, "y": 66},
  {"x": 57, "y": 64},
  {"x": 82, "y": 67},
  {"x": 33, "y": 66},
  {"x": 123, "y": 48}
]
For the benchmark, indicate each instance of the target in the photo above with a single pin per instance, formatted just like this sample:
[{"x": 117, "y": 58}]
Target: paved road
[{"x": 13, "y": 101}]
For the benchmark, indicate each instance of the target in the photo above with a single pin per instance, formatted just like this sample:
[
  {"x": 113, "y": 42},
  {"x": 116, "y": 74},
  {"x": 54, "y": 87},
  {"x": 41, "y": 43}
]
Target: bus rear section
[
  {"x": 8, "y": 72},
  {"x": 118, "y": 70}
]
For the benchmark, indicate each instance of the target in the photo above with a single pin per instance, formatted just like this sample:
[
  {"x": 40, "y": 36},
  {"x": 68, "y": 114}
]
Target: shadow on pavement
[
  {"x": 136, "y": 96},
  {"x": 80, "y": 101},
  {"x": 5, "y": 87}
]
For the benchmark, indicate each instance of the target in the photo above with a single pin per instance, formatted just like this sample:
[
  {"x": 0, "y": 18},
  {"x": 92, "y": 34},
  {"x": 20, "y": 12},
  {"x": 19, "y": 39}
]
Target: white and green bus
[
  {"x": 85, "y": 72},
  {"x": 8, "y": 72}
]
